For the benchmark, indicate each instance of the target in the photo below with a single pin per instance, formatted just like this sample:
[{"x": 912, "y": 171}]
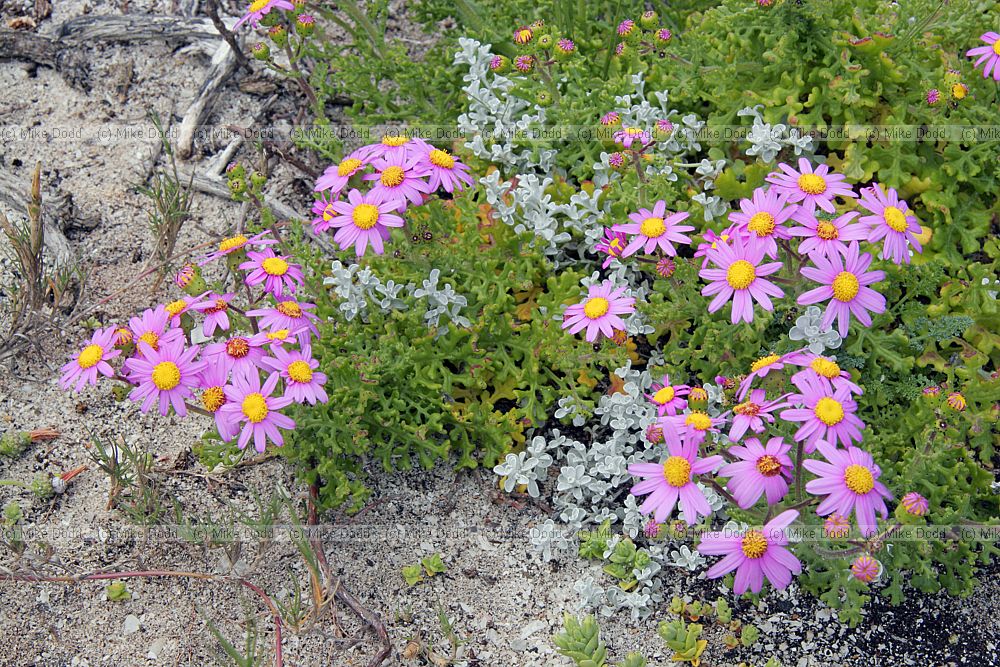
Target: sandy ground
[{"x": 503, "y": 602}]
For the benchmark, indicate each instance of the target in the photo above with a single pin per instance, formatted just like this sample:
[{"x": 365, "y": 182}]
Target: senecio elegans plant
[
  {"x": 833, "y": 429},
  {"x": 241, "y": 351}
]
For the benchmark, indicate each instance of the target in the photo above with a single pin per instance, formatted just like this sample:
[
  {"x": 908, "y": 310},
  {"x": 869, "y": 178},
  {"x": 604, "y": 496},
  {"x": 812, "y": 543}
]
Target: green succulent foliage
[
  {"x": 581, "y": 642},
  {"x": 402, "y": 393},
  {"x": 593, "y": 543},
  {"x": 624, "y": 560},
  {"x": 683, "y": 639}
]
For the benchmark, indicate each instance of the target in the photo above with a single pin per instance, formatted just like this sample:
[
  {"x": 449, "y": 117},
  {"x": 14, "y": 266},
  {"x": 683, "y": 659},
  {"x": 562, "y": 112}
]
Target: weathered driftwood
[
  {"x": 135, "y": 28},
  {"x": 57, "y": 207},
  {"x": 68, "y": 61},
  {"x": 223, "y": 65}
]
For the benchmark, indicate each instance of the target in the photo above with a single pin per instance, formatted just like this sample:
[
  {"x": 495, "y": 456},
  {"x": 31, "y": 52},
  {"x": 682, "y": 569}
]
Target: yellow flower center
[
  {"x": 151, "y": 339},
  {"x": 523, "y": 36},
  {"x": 166, "y": 375},
  {"x": 829, "y": 411},
  {"x": 812, "y": 184},
  {"x": 442, "y": 159},
  {"x": 232, "y": 243},
  {"x": 328, "y": 212},
  {"x": 237, "y": 347},
  {"x": 664, "y": 395},
  {"x": 754, "y": 545},
  {"x": 90, "y": 356},
  {"x": 699, "y": 421},
  {"x": 747, "y": 409},
  {"x": 761, "y": 224},
  {"x": 959, "y": 91},
  {"x": 289, "y": 309},
  {"x": 698, "y": 394},
  {"x": 859, "y": 479},
  {"x": 677, "y": 471},
  {"x": 255, "y": 408},
  {"x": 299, "y": 371},
  {"x": 394, "y": 141},
  {"x": 827, "y": 231},
  {"x": 740, "y": 274},
  {"x": 825, "y": 367},
  {"x": 596, "y": 307},
  {"x": 213, "y": 398},
  {"x": 365, "y": 216},
  {"x": 768, "y": 465},
  {"x": 274, "y": 266},
  {"x": 392, "y": 176},
  {"x": 175, "y": 308},
  {"x": 895, "y": 219},
  {"x": 280, "y": 334},
  {"x": 845, "y": 286},
  {"x": 763, "y": 361},
  {"x": 258, "y": 5},
  {"x": 220, "y": 306},
  {"x": 652, "y": 227},
  {"x": 348, "y": 166},
  {"x": 996, "y": 47}
]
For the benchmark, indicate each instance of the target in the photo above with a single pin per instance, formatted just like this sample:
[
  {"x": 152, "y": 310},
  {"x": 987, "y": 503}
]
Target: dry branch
[
  {"x": 68, "y": 61},
  {"x": 135, "y": 28},
  {"x": 224, "y": 63}
]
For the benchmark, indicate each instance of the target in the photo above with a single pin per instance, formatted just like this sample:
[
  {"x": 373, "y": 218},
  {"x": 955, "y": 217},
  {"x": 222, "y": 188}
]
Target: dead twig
[{"x": 212, "y": 9}]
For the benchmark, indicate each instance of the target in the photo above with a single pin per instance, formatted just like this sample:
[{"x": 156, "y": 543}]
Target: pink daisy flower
[
  {"x": 892, "y": 221},
  {"x": 667, "y": 397},
  {"x": 821, "y": 369},
  {"x": 761, "y": 220},
  {"x": 762, "y": 470},
  {"x": 290, "y": 315},
  {"x": 237, "y": 243},
  {"x": 278, "y": 275},
  {"x": 849, "y": 480},
  {"x": 626, "y": 27},
  {"x": 166, "y": 375},
  {"x": 673, "y": 481},
  {"x": 825, "y": 416},
  {"x": 612, "y": 245},
  {"x": 755, "y": 555},
  {"x": 629, "y": 135},
  {"x": 711, "y": 242},
  {"x": 277, "y": 339},
  {"x": 251, "y": 409},
  {"x": 400, "y": 178},
  {"x": 836, "y": 526},
  {"x": 694, "y": 425},
  {"x": 397, "y": 146},
  {"x": 989, "y": 54},
  {"x": 175, "y": 309},
  {"x": 652, "y": 230},
  {"x": 336, "y": 176},
  {"x": 845, "y": 282},
  {"x": 151, "y": 328},
  {"x": 759, "y": 369},
  {"x": 364, "y": 219},
  {"x": 303, "y": 383},
  {"x": 213, "y": 380},
  {"x": 323, "y": 212},
  {"x": 611, "y": 118},
  {"x": 445, "y": 171},
  {"x": 237, "y": 354},
  {"x": 215, "y": 308},
  {"x": 91, "y": 361},
  {"x": 811, "y": 188},
  {"x": 524, "y": 63},
  {"x": 258, "y": 8},
  {"x": 739, "y": 275},
  {"x": 752, "y": 413},
  {"x": 601, "y": 312},
  {"x": 825, "y": 238}
]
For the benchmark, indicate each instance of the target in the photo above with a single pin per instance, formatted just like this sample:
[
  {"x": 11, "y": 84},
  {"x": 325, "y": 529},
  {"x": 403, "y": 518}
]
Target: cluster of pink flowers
[
  {"x": 752, "y": 467},
  {"x": 401, "y": 171},
  {"x": 741, "y": 263},
  {"x": 241, "y": 379}
]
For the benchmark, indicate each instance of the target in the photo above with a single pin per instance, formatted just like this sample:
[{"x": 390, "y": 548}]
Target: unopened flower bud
[
  {"x": 261, "y": 51},
  {"x": 305, "y": 24},
  {"x": 278, "y": 35}
]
